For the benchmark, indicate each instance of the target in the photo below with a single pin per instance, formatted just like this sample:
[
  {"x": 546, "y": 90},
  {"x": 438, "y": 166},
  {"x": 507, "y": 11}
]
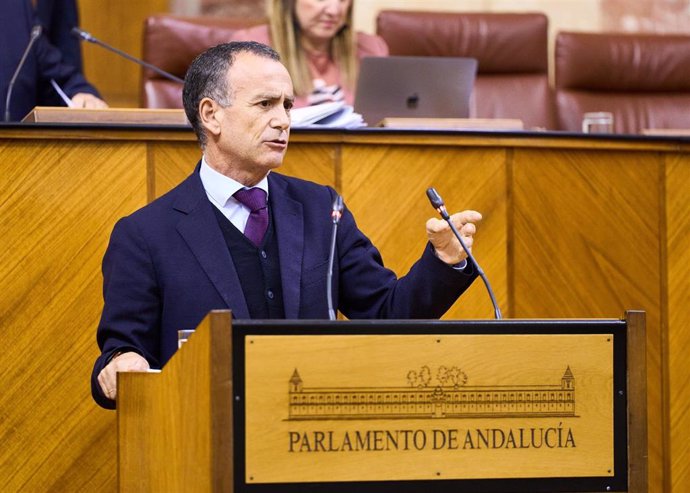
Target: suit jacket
[
  {"x": 58, "y": 17},
  {"x": 43, "y": 63},
  {"x": 168, "y": 265}
]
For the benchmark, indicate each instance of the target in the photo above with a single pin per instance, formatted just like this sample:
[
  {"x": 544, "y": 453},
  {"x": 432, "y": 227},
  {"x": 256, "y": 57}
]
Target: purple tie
[{"x": 257, "y": 224}]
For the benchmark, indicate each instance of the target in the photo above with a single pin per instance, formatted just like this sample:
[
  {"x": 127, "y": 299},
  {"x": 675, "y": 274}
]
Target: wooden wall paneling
[
  {"x": 60, "y": 201},
  {"x": 314, "y": 162},
  {"x": 120, "y": 24},
  {"x": 169, "y": 164},
  {"x": 587, "y": 244},
  {"x": 595, "y": 214},
  {"x": 385, "y": 187},
  {"x": 172, "y": 162},
  {"x": 678, "y": 343},
  {"x": 573, "y": 228}
]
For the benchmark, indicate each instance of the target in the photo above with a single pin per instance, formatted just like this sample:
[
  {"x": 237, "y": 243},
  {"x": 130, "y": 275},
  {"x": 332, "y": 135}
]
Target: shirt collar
[{"x": 221, "y": 188}]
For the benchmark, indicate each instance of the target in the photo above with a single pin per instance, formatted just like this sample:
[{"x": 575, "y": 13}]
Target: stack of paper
[{"x": 327, "y": 115}]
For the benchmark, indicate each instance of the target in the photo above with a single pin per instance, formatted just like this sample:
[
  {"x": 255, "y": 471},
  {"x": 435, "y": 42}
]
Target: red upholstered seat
[
  {"x": 511, "y": 49},
  {"x": 641, "y": 78},
  {"x": 171, "y": 43}
]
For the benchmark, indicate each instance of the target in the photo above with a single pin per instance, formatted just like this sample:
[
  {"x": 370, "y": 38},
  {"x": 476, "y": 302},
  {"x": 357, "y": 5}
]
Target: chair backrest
[
  {"x": 172, "y": 42},
  {"x": 511, "y": 49},
  {"x": 642, "y": 79}
]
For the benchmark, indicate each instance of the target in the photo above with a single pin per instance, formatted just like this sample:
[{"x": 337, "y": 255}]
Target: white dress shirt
[{"x": 220, "y": 189}]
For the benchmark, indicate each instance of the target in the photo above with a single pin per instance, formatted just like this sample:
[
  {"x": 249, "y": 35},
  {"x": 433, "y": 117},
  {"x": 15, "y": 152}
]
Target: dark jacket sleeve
[
  {"x": 58, "y": 17},
  {"x": 52, "y": 66},
  {"x": 131, "y": 314}
]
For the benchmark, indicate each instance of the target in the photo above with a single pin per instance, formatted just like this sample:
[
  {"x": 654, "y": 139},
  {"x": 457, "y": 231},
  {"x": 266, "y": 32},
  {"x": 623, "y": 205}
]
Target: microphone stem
[
  {"x": 329, "y": 276},
  {"x": 136, "y": 60},
  {"x": 35, "y": 33},
  {"x": 475, "y": 264}
]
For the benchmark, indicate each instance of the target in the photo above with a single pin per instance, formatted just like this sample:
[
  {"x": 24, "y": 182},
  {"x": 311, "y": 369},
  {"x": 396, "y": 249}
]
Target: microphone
[
  {"x": 336, "y": 214},
  {"x": 35, "y": 33},
  {"x": 84, "y": 36},
  {"x": 437, "y": 203}
]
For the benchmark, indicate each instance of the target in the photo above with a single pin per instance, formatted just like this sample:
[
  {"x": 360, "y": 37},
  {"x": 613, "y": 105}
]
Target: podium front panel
[{"x": 413, "y": 406}]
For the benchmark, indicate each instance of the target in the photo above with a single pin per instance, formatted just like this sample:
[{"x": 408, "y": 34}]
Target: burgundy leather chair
[
  {"x": 641, "y": 78},
  {"x": 171, "y": 43},
  {"x": 511, "y": 50}
]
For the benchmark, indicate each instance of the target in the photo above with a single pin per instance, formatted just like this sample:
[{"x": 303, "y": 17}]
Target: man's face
[{"x": 254, "y": 129}]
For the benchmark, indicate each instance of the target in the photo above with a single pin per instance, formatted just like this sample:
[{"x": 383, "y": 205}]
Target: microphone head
[
  {"x": 36, "y": 31},
  {"x": 338, "y": 207},
  {"x": 81, "y": 34},
  {"x": 434, "y": 198}
]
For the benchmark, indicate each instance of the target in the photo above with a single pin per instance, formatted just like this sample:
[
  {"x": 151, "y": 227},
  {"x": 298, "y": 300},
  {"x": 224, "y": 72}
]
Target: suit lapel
[
  {"x": 199, "y": 228},
  {"x": 289, "y": 228}
]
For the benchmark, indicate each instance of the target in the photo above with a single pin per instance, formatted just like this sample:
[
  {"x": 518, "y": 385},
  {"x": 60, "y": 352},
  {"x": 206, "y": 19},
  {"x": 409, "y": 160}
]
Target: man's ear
[{"x": 210, "y": 115}]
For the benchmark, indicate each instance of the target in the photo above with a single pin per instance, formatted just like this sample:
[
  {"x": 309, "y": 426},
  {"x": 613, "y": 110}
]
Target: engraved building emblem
[{"x": 446, "y": 395}]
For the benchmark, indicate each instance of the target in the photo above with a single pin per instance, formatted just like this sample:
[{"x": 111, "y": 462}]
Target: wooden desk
[{"x": 574, "y": 226}]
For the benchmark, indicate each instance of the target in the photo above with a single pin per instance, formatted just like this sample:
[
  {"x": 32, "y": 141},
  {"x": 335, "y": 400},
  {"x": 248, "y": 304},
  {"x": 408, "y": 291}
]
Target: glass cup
[
  {"x": 182, "y": 336},
  {"x": 597, "y": 122}
]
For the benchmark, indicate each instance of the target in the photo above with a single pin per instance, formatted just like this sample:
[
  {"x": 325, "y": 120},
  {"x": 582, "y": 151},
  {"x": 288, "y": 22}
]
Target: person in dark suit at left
[
  {"x": 58, "y": 17},
  {"x": 238, "y": 235},
  {"x": 44, "y": 62}
]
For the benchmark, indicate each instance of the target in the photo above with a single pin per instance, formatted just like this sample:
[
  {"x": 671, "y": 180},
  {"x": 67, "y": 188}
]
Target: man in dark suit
[
  {"x": 205, "y": 246},
  {"x": 44, "y": 62}
]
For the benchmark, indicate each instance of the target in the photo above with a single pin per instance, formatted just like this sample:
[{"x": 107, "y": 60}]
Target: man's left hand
[
  {"x": 446, "y": 245},
  {"x": 86, "y": 100}
]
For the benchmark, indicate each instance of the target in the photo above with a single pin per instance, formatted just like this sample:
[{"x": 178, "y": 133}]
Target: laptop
[{"x": 414, "y": 87}]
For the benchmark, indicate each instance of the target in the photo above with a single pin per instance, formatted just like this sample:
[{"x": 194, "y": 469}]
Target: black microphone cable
[
  {"x": 437, "y": 203},
  {"x": 35, "y": 33}
]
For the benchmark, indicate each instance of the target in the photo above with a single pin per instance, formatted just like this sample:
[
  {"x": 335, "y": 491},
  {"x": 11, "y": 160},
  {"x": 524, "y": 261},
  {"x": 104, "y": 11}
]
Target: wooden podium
[{"x": 378, "y": 406}]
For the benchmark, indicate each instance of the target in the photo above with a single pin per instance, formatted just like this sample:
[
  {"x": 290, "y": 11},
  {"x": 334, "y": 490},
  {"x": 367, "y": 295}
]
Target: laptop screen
[{"x": 414, "y": 87}]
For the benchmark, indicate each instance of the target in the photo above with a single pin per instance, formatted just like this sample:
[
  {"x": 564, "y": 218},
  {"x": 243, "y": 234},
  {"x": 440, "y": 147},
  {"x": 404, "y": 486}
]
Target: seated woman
[{"x": 319, "y": 47}]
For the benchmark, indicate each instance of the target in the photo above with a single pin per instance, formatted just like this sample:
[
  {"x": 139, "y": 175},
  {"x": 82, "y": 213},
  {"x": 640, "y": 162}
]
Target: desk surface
[{"x": 364, "y": 135}]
